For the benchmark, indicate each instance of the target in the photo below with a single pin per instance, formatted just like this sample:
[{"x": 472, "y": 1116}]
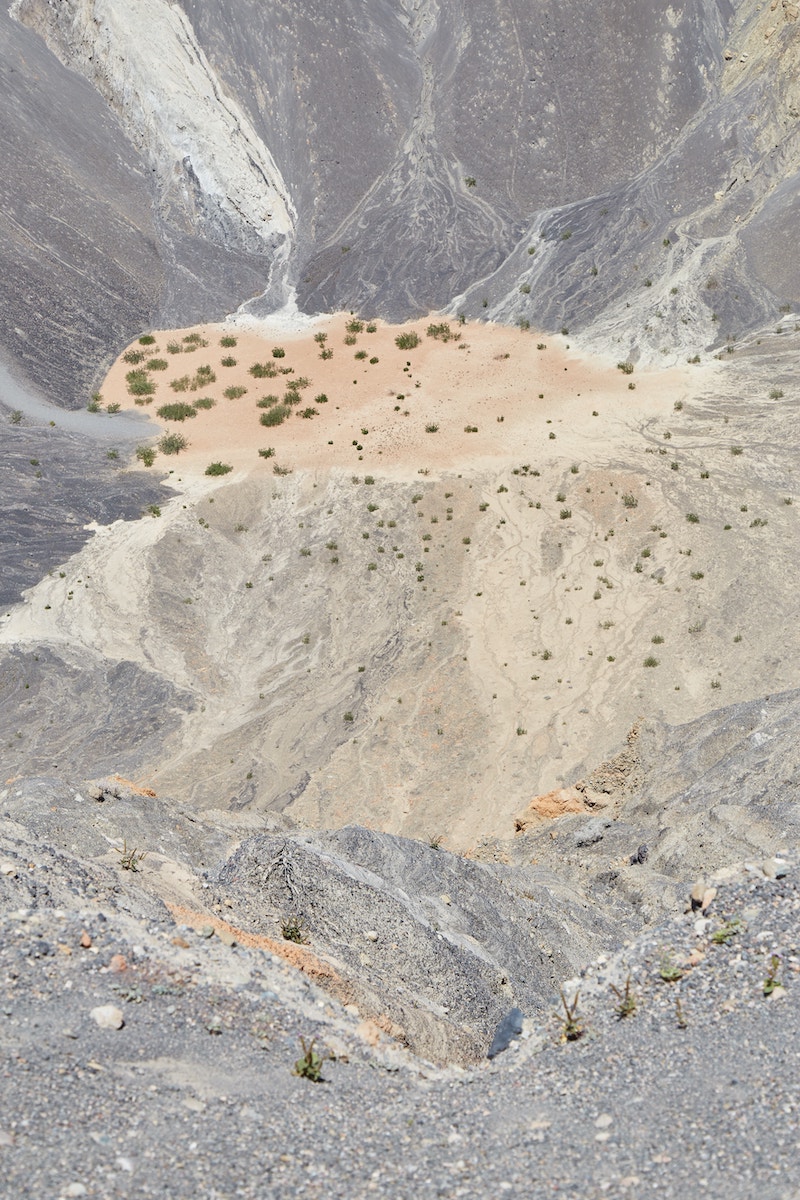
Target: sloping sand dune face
[{"x": 437, "y": 614}]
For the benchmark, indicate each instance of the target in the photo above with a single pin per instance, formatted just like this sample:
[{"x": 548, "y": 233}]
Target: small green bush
[
  {"x": 442, "y": 332},
  {"x": 228, "y": 362},
  {"x": 157, "y": 364},
  {"x": 269, "y": 452},
  {"x": 146, "y": 455},
  {"x": 276, "y": 415},
  {"x": 321, "y": 398},
  {"x": 133, "y": 357},
  {"x": 180, "y": 385},
  {"x": 263, "y": 370},
  {"x": 626, "y": 367},
  {"x": 172, "y": 443},
  {"x": 278, "y": 352},
  {"x": 176, "y": 412},
  {"x": 139, "y": 383},
  {"x": 355, "y": 326},
  {"x": 218, "y": 468},
  {"x": 234, "y": 392},
  {"x": 407, "y": 341},
  {"x": 227, "y": 341},
  {"x": 147, "y": 339},
  {"x": 204, "y": 402},
  {"x": 267, "y": 401}
]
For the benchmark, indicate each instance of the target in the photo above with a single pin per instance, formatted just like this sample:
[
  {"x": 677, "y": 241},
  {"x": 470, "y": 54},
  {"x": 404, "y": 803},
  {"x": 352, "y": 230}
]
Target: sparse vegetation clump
[
  {"x": 172, "y": 443},
  {"x": 265, "y": 370},
  {"x": 139, "y": 383},
  {"x": 218, "y": 468},
  {"x": 146, "y": 455},
  {"x": 407, "y": 341},
  {"x": 626, "y": 367},
  {"x": 276, "y": 415},
  {"x": 442, "y": 332},
  {"x": 176, "y": 412}
]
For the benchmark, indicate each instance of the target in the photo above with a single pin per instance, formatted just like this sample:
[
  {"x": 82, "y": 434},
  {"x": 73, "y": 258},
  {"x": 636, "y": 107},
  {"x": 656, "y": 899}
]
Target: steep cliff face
[
  {"x": 144, "y": 59},
  {"x": 696, "y": 250}
]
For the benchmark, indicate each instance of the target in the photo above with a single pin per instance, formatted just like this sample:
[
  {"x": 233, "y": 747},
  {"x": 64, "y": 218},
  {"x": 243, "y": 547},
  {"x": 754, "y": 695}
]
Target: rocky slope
[{"x": 387, "y": 162}]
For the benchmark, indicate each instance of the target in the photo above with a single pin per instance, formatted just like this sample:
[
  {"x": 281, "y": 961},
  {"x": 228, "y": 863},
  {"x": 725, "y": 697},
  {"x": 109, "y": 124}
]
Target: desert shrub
[
  {"x": 309, "y": 412},
  {"x": 321, "y": 398},
  {"x": 355, "y": 326},
  {"x": 180, "y": 385},
  {"x": 202, "y": 378},
  {"x": 432, "y": 428},
  {"x": 176, "y": 412},
  {"x": 194, "y": 339},
  {"x": 407, "y": 341},
  {"x": 174, "y": 348},
  {"x": 157, "y": 364},
  {"x": 442, "y": 332},
  {"x": 360, "y": 354},
  {"x": 269, "y": 452},
  {"x": 147, "y": 339},
  {"x": 227, "y": 341},
  {"x": 266, "y": 370},
  {"x": 626, "y": 367},
  {"x": 234, "y": 392},
  {"x": 267, "y": 401},
  {"x": 140, "y": 383},
  {"x": 278, "y": 352},
  {"x": 276, "y": 415},
  {"x": 172, "y": 443},
  {"x": 218, "y": 468},
  {"x": 228, "y": 362},
  {"x": 204, "y": 402},
  {"x": 133, "y": 357},
  {"x": 146, "y": 455}
]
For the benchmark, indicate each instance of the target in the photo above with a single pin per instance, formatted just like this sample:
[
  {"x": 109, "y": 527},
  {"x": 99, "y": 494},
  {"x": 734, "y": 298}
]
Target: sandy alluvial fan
[{"x": 399, "y": 468}]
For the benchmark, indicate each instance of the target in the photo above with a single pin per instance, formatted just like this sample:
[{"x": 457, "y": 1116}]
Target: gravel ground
[{"x": 195, "y": 1097}]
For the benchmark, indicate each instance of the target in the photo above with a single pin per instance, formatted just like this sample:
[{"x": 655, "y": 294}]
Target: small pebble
[
  {"x": 371, "y": 935},
  {"x": 108, "y": 1016}
]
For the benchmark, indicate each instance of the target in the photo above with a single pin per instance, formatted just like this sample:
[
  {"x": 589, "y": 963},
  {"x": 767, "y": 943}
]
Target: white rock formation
[{"x": 144, "y": 58}]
